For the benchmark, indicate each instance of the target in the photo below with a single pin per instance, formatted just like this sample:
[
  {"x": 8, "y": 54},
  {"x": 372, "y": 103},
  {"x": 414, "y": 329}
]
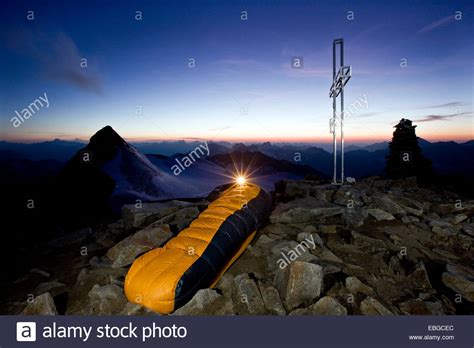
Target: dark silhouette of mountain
[
  {"x": 448, "y": 158},
  {"x": 468, "y": 143},
  {"x": 217, "y": 149},
  {"x": 109, "y": 172},
  {"x": 376, "y": 146},
  {"x": 243, "y": 147},
  {"x": 82, "y": 177},
  {"x": 317, "y": 158},
  {"x": 169, "y": 148},
  {"x": 257, "y": 164},
  {"x": 352, "y": 148},
  {"x": 314, "y": 157},
  {"x": 105, "y": 165},
  {"x": 363, "y": 163},
  {"x": 58, "y": 150},
  {"x": 166, "y": 148}
]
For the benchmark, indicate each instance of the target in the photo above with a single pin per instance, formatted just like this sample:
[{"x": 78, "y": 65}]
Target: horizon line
[{"x": 301, "y": 140}]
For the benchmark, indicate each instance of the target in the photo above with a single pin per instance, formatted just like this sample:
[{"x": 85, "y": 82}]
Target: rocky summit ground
[{"x": 375, "y": 247}]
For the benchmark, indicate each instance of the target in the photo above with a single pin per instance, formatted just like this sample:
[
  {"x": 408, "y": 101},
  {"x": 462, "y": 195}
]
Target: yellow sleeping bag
[{"x": 166, "y": 278}]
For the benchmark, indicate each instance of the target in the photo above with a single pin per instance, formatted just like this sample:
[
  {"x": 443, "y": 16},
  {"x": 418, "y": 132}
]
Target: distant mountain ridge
[
  {"x": 59, "y": 150},
  {"x": 257, "y": 164},
  {"x": 110, "y": 172},
  {"x": 449, "y": 158}
]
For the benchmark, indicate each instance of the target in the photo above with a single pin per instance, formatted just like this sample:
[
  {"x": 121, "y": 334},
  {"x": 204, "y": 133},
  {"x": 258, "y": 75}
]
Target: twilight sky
[{"x": 409, "y": 59}]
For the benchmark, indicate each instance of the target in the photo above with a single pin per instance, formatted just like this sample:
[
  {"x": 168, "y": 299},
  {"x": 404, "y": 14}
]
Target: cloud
[
  {"x": 64, "y": 66},
  {"x": 440, "y": 106},
  {"x": 57, "y": 58},
  {"x": 432, "y": 118},
  {"x": 367, "y": 114},
  {"x": 220, "y": 129},
  {"x": 78, "y": 79},
  {"x": 445, "y": 105},
  {"x": 436, "y": 24}
]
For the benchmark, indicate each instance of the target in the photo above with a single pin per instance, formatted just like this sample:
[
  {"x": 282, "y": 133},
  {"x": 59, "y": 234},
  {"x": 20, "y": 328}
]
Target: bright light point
[{"x": 240, "y": 180}]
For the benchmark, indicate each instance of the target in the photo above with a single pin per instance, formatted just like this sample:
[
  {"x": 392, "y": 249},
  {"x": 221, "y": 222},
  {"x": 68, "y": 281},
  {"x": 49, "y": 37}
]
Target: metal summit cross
[{"x": 339, "y": 80}]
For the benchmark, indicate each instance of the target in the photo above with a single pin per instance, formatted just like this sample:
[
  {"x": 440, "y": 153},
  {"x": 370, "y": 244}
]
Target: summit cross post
[{"x": 339, "y": 80}]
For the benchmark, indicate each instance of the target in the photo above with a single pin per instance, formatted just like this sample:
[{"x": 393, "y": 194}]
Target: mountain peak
[
  {"x": 239, "y": 147},
  {"x": 107, "y": 135}
]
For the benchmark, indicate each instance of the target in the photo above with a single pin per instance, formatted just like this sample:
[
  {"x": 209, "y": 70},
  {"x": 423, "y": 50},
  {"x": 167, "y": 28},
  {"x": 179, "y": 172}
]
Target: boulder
[
  {"x": 460, "y": 285},
  {"x": 457, "y": 219},
  {"x": 97, "y": 262},
  {"x": 279, "y": 231},
  {"x": 327, "y": 229},
  {"x": 419, "y": 307},
  {"x": 327, "y": 306},
  {"x": 409, "y": 219},
  {"x": 310, "y": 239},
  {"x": 355, "y": 286},
  {"x": 264, "y": 241},
  {"x": 370, "y": 306},
  {"x": 354, "y": 217},
  {"x": 41, "y": 305},
  {"x": 412, "y": 206},
  {"x": 207, "y": 302},
  {"x": 300, "y": 311},
  {"x": 180, "y": 219},
  {"x": 346, "y": 196},
  {"x": 271, "y": 299},
  {"x": 445, "y": 254},
  {"x": 469, "y": 229},
  {"x": 461, "y": 270},
  {"x": 136, "y": 309},
  {"x": 440, "y": 223},
  {"x": 444, "y": 232},
  {"x": 299, "y": 283},
  {"x": 142, "y": 214},
  {"x": 325, "y": 254},
  {"x": 304, "y": 210},
  {"x": 387, "y": 204},
  {"x": 368, "y": 242},
  {"x": 54, "y": 288},
  {"x": 286, "y": 252},
  {"x": 380, "y": 215},
  {"x": 329, "y": 268},
  {"x": 124, "y": 253},
  {"x": 249, "y": 300},
  {"x": 86, "y": 280},
  {"x": 304, "y": 188},
  {"x": 105, "y": 300},
  {"x": 446, "y": 208},
  {"x": 419, "y": 277},
  {"x": 226, "y": 284}
]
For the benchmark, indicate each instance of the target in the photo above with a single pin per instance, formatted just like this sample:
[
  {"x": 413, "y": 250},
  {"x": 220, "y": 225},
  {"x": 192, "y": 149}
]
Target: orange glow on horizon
[{"x": 354, "y": 139}]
